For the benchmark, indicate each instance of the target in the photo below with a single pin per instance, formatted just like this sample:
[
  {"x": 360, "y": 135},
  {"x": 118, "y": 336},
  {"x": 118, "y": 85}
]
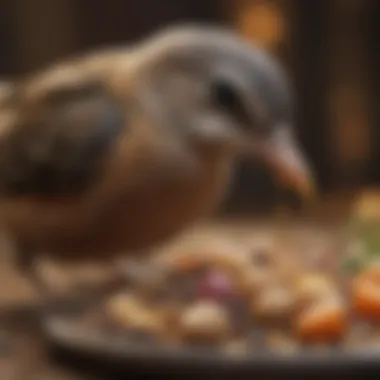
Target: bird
[{"x": 115, "y": 151}]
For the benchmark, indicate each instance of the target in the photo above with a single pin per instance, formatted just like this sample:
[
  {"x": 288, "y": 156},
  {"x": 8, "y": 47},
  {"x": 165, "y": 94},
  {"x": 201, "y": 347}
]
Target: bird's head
[{"x": 226, "y": 94}]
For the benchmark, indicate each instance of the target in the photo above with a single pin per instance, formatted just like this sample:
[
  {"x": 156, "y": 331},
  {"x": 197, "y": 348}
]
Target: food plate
[
  {"x": 99, "y": 352},
  {"x": 121, "y": 352}
]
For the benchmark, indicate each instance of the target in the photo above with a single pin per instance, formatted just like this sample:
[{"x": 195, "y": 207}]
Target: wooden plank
[
  {"x": 42, "y": 31},
  {"x": 373, "y": 34},
  {"x": 348, "y": 98},
  {"x": 309, "y": 36}
]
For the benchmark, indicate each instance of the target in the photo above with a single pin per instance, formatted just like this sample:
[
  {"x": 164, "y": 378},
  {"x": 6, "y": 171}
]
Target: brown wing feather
[{"x": 57, "y": 146}]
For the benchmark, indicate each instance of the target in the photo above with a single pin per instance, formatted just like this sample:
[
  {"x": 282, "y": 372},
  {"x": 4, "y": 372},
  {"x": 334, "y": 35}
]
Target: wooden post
[
  {"x": 42, "y": 31},
  {"x": 348, "y": 99}
]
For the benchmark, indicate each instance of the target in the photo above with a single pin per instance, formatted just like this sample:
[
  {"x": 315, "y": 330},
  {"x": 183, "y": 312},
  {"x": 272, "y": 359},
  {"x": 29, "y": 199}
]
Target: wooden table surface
[{"x": 23, "y": 355}]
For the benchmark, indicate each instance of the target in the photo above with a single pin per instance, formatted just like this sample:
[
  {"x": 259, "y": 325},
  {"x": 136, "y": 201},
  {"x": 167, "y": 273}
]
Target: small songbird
[{"x": 116, "y": 151}]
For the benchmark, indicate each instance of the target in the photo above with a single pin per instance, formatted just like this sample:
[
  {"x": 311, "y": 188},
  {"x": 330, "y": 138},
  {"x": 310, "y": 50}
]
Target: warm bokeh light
[{"x": 262, "y": 22}]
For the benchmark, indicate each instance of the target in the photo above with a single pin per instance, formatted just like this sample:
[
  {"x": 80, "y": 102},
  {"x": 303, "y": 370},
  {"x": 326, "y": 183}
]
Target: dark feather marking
[{"x": 58, "y": 146}]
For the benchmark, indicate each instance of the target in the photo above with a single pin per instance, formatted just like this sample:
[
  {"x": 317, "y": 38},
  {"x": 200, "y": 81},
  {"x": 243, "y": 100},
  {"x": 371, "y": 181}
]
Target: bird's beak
[{"x": 283, "y": 155}]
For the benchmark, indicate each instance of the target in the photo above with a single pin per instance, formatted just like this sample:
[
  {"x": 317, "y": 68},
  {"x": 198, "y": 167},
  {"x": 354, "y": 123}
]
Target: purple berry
[{"x": 216, "y": 285}]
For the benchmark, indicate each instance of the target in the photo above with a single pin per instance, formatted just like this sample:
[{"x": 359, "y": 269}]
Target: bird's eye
[{"x": 226, "y": 97}]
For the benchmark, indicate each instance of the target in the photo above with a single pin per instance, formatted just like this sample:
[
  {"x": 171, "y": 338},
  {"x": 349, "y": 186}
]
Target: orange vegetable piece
[
  {"x": 366, "y": 293},
  {"x": 322, "y": 322}
]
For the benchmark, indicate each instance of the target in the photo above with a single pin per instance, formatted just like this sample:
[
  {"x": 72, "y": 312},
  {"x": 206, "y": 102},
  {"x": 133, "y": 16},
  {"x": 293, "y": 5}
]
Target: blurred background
[{"x": 329, "y": 47}]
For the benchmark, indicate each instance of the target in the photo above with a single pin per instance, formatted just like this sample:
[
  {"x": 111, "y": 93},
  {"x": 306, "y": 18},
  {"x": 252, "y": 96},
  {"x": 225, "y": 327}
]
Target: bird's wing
[{"x": 56, "y": 144}]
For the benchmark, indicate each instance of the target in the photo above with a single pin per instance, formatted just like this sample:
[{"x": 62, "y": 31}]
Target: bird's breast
[{"x": 155, "y": 213}]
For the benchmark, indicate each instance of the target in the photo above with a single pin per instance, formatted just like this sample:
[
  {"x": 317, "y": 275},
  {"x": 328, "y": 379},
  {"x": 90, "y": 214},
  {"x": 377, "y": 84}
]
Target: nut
[{"x": 205, "y": 322}]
